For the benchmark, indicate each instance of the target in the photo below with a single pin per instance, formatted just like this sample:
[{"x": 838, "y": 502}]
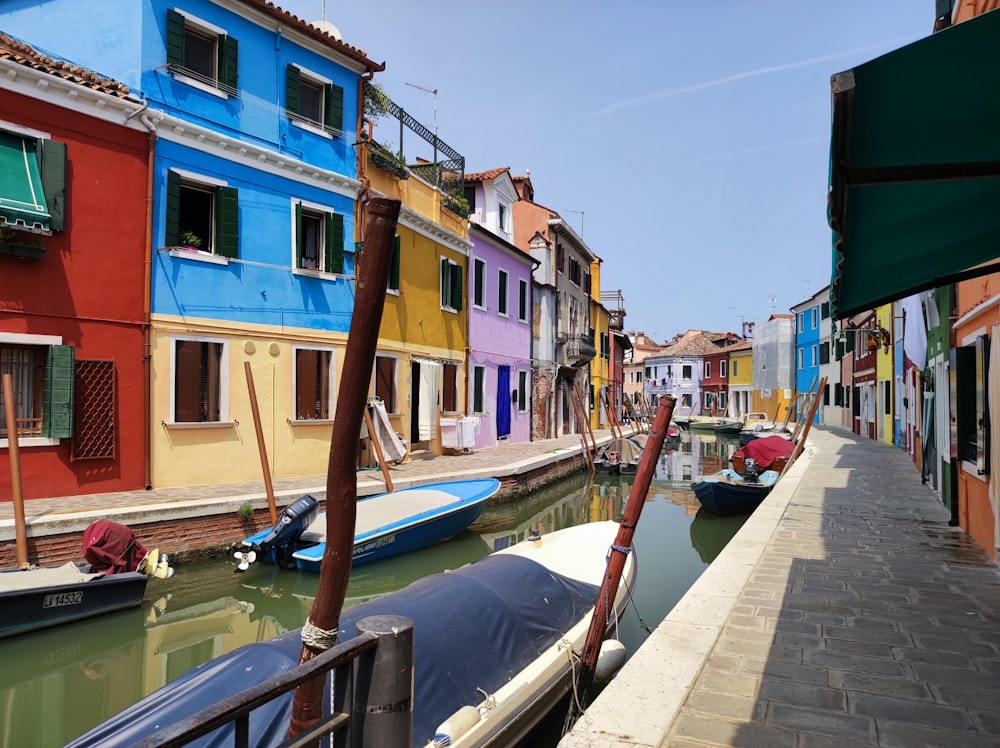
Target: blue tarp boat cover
[{"x": 474, "y": 627}]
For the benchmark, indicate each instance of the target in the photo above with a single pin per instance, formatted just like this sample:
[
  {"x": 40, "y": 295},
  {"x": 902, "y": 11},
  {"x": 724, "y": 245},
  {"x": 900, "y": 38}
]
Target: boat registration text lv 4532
[{"x": 63, "y": 598}]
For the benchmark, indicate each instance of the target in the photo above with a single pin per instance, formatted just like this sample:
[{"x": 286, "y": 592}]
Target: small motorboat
[
  {"x": 730, "y": 492},
  {"x": 496, "y": 646},
  {"x": 619, "y": 456},
  {"x": 113, "y": 577},
  {"x": 386, "y": 525}
]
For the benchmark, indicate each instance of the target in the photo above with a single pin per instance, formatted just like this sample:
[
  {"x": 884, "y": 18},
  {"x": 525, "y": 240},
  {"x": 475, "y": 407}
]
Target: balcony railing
[{"x": 578, "y": 349}]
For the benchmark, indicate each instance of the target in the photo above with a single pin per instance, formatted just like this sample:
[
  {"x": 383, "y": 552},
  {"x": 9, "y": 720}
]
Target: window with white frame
[
  {"x": 815, "y": 317},
  {"x": 202, "y": 214},
  {"x": 802, "y": 358},
  {"x": 502, "y": 217},
  {"x": 451, "y": 285},
  {"x": 313, "y": 383},
  {"x": 722, "y": 368},
  {"x": 708, "y": 370},
  {"x": 736, "y": 368},
  {"x": 201, "y": 53},
  {"x": 449, "y": 388},
  {"x": 200, "y": 376},
  {"x": 42, "y": 372},
  {"x": 313, "y": 100},
  {"x": 319, "y": 238},
  {"x": 522, "y": 391},
  {"x": 478, "y": 389},
  {"x": 801, "y": 319},
  {"x": 522, "y": 300},
  {"x": 815, "y": 356},
  {"x": 502, "y": 292},
  {"x": 479, "y": 283}
]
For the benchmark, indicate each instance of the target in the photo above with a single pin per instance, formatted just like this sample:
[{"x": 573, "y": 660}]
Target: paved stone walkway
[{"x": 846, "y": 612}]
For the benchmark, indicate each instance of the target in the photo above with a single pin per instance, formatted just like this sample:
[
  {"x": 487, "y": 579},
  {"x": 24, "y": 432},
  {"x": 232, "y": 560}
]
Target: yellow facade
[
  {"x": 415, "y": 324},
  {"x": 883, "y": 375},
  {"x": 227, "y": 449},
  {"x": 741, "y": 368},
  {"x": 600, "y": 367}
]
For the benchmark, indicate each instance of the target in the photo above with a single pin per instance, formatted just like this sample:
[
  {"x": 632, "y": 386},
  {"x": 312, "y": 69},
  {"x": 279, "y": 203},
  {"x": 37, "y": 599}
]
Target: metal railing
[{"x": 372, "y": 705}]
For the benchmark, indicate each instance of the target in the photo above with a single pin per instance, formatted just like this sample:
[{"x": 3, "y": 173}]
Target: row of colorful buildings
[{"x": 182, "y": 229}]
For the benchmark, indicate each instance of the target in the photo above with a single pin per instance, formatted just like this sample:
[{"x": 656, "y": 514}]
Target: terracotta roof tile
[
  {"x": 483, "y": 176},
  {"x": 24, "y": 54}
]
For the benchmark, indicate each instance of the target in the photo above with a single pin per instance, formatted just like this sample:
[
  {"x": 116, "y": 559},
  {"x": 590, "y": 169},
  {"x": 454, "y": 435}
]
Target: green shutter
[
  {"x": 394, "y": 268},
  {"x": 445, "y": 282},
  {"x": 57, "y": 406},
  {"x": 54, "y": 182},
  {"x": 227, "y": 229},
  {"x": 228, "y": 68},
  {"x": 175, "y": 38},
  {"x": 292, "y": 105},
  {"x": 334, "y": 115},
  {"x": 298, "y": 235},
  {"x": 456, "y": 287},
  {"x": 172, "y": 227},
  {"x": 333, "y": 255}
]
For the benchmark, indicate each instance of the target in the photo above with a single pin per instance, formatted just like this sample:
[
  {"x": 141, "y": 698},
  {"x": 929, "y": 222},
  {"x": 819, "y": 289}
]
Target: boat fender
[
  {"x": 609, "y": 660},
  {"x": 456, "y": 725}
]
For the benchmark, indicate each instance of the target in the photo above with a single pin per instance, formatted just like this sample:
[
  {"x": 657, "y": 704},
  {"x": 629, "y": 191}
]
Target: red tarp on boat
[
  {"x": 766, "y": 450},
  {"x": 111, "y": 547}
]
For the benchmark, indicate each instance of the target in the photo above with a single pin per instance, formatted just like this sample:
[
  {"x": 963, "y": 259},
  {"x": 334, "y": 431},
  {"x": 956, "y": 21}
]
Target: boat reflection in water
[
  {"x": 710, "y": 533},
  {"x": 695, "y": 453},
  {"x": 56, "y": 685}
]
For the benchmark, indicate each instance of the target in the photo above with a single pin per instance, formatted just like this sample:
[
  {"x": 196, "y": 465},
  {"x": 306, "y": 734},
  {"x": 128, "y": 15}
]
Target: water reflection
[{"x": 57, "y": 684}]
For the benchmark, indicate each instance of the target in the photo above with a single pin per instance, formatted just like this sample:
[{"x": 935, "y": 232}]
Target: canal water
[{"x": 57, "y": 684}]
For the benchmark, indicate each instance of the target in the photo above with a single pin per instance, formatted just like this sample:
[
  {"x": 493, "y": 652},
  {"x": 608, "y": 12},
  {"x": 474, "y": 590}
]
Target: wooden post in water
[
  {"x": 619, "y": 550},
  {"x": 261, "y": 447},
  {"x": 320, "y": 630},
  {"x": 586, "y": 421},
  {"x": 16, "y": 489},
  {"x": 377, "y": 446}
]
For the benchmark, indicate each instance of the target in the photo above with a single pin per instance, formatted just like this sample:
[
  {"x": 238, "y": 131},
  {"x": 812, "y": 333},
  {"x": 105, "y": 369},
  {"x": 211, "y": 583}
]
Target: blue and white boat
[
  {"x": 386, "y": 525},
  {"x": 729, "y": 492}
]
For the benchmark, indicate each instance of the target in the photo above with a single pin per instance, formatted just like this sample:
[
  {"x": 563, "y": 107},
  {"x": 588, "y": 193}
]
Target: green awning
[
  {"x": 915, "y": 167},
  {"x": 22, "y": 199}
]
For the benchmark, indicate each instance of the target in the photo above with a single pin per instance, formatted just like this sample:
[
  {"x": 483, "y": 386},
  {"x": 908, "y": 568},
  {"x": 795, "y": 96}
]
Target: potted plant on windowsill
[
  {"x": 189, "y": 240},
  {"x": 21, "y": 243}
]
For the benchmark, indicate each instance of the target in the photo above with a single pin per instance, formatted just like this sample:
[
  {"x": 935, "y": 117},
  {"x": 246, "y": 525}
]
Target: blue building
[
  {"x": 254, "y": 114},
  {"x": 810, "y": 351}
]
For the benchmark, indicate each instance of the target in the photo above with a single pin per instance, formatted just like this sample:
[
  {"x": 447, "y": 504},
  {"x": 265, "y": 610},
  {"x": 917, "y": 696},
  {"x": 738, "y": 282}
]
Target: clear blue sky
[{"x": 688, "y": 142}]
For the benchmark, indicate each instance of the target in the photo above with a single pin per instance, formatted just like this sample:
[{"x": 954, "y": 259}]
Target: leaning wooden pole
[
  {"x": 801, "y": 442},
  {"x": 16, "y": 489},
  {"x": 586, "y": 419},
  {"x": 618, "y": 553},
  {"x": 261, "y": 447},
  {"x": 320, "y": 630},
  {"x": 377, "y": 446}
]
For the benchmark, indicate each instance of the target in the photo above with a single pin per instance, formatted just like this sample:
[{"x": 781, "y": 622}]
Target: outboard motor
[
  {"x": 283, "y": 537},
  {"x": 751, "y": 470}
]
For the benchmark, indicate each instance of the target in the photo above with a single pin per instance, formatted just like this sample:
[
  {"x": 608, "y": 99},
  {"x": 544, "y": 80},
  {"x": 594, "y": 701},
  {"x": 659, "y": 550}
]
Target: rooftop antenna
[
  {"x": 434, "y": 93},
  {"x": 772, "y": 299},
  {"x": 581, "y": 218}
]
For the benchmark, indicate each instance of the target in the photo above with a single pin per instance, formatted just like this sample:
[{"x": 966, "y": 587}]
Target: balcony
[{"x": 578, "y": 350}]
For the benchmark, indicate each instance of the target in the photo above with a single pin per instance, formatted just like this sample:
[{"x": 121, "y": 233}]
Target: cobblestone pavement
[{"x": 846, "y": 612}]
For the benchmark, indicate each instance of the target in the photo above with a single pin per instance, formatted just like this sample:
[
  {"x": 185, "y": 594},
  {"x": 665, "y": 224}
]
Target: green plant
[
  {"x": 245, "y": 511},
  {"x": 377, "y": 102},
  {"x": 189, "y": 239}
]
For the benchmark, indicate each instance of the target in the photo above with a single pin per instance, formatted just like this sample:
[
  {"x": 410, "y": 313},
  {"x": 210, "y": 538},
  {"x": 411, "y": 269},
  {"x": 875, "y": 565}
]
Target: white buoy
[
  {"x": 609, "y": 660},
  {"x": 456, "y": 725}
]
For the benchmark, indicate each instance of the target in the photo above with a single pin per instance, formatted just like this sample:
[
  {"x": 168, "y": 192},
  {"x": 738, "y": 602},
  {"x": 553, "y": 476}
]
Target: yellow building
[
  {"x": 601, "y": 391},
  {"x": 420, "y": 366},
  {"x": 884, "y": 376},
  {"x": 741, "y": 377}
]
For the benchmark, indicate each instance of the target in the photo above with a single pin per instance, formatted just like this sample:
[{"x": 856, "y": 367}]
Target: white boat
[{"x": 496, "y": 646}]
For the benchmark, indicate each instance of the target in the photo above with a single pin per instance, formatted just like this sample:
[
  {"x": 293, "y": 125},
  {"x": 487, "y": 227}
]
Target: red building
[
  {"x": 715, "y": 378},
  {"x": 74, "y": 154}
]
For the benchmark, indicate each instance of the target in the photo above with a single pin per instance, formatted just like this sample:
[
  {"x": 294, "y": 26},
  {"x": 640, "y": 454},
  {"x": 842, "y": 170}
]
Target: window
[
  {"x": 393, "y": 284},
  {"x": 736, "y": 368},
  {"x": 814, "y": 356},
  {"x": 385, "y": 381},
  {"x": 314, "y": 101},
  {"x": 686, "y": 371},
  {"x": 824, "y": 309},
  {"x": 200, "y": 380},
  {"x": 802, "y": 358},
  {"x": 478, "y": 388},
  {"x": 204, "y": 54},
  {"x": 708, "y": 400},
  {"x": 574, "y": 271},
  {"x": 41, "y": 370},
  {"x": 32, "y": 190},
  {"x": 202, "y": 214},
  {"x": 502, "y": 217},
  {"x": 721, "y": 400},
  {"x": 449, "y": 389},
  {"x": 970, "y": 406},
  {"x": 451, "y": 285},
  {"x": 722, "y": 368},
  {"x": 470, "y": 196},
  {"x": 319, "y": 239},
  {"x": 522, "y": 300},
  {"x": 887, "y": 397},
  {"x": 560, "y": 257},
  {"x": 313, "y": 384},
  {"x": 502, "y": 292},
  {"x": 479, "y": 283},
  {"x": 824, "y": 353},
  {"x": 814, "y": 312},
  {"x": 522, "y": 391},
  {"x": 708, "y": 370},
  {"x": 801, "y": 319}
]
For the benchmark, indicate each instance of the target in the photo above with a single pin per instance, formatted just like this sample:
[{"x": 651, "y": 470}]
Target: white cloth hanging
[
  {"x": 430, "y": 378},
  {"x": 393, "y": 448},
  {"x": 449, "y": 433}
]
